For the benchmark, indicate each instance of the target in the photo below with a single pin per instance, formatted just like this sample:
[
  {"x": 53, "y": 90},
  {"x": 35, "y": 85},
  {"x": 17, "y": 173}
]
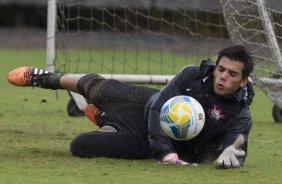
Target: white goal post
[{"x": 51, "y": 36}]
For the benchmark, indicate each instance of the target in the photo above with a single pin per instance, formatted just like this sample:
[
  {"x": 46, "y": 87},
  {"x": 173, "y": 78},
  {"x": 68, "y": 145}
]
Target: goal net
[
  {"x": 257, "y": 24},
  {"x": 142, "y": 37},
  {"x": 149, "y": 39}
]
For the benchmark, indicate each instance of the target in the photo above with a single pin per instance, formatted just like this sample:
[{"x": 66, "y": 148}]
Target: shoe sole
[{"x": 20, "y": 76}]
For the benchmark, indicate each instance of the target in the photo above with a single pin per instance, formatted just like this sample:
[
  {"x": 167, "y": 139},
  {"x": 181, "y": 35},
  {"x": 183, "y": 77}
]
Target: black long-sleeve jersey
[{"x": 226, "y": 116}]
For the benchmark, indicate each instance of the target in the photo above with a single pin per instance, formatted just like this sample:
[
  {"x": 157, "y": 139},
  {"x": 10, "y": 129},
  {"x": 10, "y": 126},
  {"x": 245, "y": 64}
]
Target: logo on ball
[{"x": 182, "y": 118}]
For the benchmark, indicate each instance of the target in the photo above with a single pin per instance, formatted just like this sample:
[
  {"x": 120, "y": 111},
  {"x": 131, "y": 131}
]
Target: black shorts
[{"x": 124, "y": 104}]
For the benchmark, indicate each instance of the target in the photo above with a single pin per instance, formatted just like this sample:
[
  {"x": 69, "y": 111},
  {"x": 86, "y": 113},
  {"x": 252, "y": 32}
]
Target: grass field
[
  {"x": 122, "y": 61},
  {"x": 35, "y": 132}
]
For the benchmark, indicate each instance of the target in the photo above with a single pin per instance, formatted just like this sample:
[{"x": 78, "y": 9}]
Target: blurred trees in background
[
  {"x": 12, "y": 15},
  {"x": 17, "y": 15}
]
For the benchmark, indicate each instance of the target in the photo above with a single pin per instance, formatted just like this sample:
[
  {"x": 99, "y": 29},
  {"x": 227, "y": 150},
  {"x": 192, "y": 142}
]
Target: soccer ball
[{"x": 182, "y": 118}]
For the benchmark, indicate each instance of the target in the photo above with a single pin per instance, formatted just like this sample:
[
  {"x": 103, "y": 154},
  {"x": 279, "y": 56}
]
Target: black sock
[{"x": 51, "y": 81}]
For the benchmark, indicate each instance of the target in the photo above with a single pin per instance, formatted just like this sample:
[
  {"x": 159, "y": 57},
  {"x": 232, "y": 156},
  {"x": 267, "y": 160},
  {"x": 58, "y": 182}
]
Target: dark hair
[{"x": 238, "y": 53}]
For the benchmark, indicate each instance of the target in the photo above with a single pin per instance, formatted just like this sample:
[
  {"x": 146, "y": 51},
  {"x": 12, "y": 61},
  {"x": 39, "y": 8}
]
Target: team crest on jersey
[{"x": 215, "y": 113}]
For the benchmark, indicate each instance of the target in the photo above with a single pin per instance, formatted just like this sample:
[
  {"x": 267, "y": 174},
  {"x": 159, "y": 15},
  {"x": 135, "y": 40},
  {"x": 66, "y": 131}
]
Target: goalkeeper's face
[{"x": 228, "y": 76}]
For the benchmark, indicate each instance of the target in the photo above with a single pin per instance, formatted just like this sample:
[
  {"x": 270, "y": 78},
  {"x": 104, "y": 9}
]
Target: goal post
[
  {"x": 271, "y": 37},
  {"x": 51, "y": 35}
]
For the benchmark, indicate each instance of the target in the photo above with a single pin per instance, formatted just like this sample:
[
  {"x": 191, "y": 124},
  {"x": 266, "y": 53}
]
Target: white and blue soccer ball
[{"x": 182, "y": 118}]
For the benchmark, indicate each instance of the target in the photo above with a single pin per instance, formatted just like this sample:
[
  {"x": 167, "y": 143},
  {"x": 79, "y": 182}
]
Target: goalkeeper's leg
[
  {"x": 34, "y": 77},
  {"x": 121, "y": 144},
  {"x": 123, "y": 103}
]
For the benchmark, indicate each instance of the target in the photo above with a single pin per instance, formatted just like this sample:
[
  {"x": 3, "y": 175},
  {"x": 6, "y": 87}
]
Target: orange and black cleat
[
  {"x": 29, "y": 76},
  {"x": 25, "y": 76}
]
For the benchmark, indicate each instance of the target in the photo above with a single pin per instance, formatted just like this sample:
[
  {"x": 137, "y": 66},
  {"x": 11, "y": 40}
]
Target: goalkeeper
[{"x": 128, "y": 115}]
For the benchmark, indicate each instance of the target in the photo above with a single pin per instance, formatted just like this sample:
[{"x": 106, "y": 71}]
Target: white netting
[
  {"x": 257, "y": 24},
  {"x": 137, "y": 37}
]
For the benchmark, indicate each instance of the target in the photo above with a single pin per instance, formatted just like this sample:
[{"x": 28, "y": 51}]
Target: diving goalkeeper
[{"x": 128, "y": 115}]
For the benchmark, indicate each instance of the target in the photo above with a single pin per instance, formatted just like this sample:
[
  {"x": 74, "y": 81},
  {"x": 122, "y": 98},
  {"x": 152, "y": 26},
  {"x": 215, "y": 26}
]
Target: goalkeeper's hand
[
  {"x": 172, "y": 158},
  {"x": 228, "y": 158}
]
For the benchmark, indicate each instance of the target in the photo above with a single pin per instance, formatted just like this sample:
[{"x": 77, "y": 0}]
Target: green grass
[
  {"x": 35, "y": 139},
  {"x": 119, "y": 61}
]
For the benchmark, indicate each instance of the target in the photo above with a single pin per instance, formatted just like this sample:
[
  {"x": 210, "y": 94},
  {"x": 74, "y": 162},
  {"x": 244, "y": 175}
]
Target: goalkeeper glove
[
  {"x": 228, "y": 158},
  {"x": 172, "y": 158}
]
